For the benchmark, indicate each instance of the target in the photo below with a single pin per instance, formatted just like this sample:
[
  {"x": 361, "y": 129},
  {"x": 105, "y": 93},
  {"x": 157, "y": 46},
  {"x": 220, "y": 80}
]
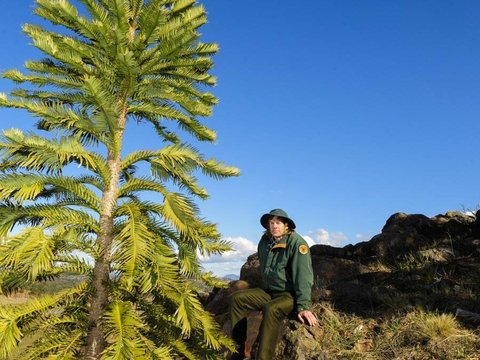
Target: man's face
[{"x": 277, "y": 227}]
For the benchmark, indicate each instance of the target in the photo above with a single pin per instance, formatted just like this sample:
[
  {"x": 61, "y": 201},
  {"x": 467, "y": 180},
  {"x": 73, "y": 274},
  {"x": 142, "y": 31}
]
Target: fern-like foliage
[{"x": 73, "y": 202}]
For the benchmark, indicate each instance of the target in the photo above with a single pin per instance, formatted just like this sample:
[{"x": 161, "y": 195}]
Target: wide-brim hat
[{"x": 276, "y": 212}]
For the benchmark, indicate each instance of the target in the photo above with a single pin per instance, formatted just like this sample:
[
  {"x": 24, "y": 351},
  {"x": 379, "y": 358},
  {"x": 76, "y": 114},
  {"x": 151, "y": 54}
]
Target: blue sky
[{"x": 341, "y": 112}]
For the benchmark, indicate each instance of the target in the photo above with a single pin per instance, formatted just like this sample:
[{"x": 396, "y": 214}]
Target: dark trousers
[{"x": 275, "y": 307}]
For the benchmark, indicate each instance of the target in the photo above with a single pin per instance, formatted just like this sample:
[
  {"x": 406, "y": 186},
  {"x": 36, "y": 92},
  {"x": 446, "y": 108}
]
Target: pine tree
[{"x": 72, "y": 201}]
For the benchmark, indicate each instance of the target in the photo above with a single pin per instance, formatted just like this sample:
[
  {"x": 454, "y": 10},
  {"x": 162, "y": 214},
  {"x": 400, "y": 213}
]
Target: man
[{"x": 286, "y": 269}]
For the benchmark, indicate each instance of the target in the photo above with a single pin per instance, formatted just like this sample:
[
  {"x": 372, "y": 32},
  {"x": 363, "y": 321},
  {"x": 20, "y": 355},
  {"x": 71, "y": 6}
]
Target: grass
[
  {"x": 413, "y": 335},
  {"x": 412, "y": 262},
  {"x": 44, "y": 287},
  {"x": 410, "y": 333},
  {"x": 14, "y": 299}
]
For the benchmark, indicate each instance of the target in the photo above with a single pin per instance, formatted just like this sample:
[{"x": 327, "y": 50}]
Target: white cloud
[
  {"x": 362, "y": 237},
  {"x": 225, "y": 268},
  {"x": 309, "y": 240},
  {"x": 242, "y": 248},
  {"x": 322, "y": 236},
  {"x": 230, "y": 262}
]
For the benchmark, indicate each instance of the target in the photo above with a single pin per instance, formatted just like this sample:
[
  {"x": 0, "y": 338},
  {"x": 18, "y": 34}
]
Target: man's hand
[{"x": 306, "y": 316}]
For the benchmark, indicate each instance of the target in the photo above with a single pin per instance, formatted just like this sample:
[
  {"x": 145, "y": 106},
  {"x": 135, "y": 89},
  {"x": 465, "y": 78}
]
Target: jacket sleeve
[
  {"x": 261, "y": 252},
  {"x": 302, "y": 274}
]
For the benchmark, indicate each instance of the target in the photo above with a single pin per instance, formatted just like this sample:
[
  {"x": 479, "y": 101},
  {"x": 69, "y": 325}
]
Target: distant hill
[{"x": 231, "y": 277}]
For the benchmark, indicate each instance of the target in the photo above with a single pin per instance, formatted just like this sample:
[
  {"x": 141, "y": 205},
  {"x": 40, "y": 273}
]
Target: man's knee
[
  {"x": 279, "y": 307},
  {"x": 272, "y": 310},
  {"x": 236, "y": 298},
  {"x": 246, "y": 296}
]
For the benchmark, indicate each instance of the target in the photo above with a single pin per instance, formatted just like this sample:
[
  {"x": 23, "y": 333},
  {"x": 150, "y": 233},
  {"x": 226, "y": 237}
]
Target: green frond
[
  {"x": 49, "y": 215},
  {"x": 145, "y": 260},
  {"x": 215, "y": 247},
  {"x": 192, "y": 75},
  {"x": 201, "y": 49},
  {"x": 38, "y": 153},
  {"x": 123, "y": 330},
  {"x": 160, "y": 273},
  {"x": 203, "y": 322},
  {"x": 56, "y": 344},
  {"x": 188, "y": 251},
  {"x": 198, "y": 234},
  {"x": 12, "y": 317},
  {"x": 61, "y": 12},
  {"x": 213, "y": 281},
  {"x": 50, "y": 97},
  {"x": 180, "y": 5},
  {"x": 94, "y": 180},
  {"x": 56, "y": 115},
  {"x": 106, "y": 111},
  {"x": 135, "y": 8},
  {"x": 137, "y": 156},
  {"x": 151, "y": 16},
  {"x": 11, "y": 281},
  {"x": 60, "y": 47},
  {"x": 219, "y": 170},
  {"x": 151, "y": 88},
  {"x": 177, "y": 160},
  {"x": 159, "y": 111},
  {"x": 120, "y": 11},
  {"x": 181, "y": 156},
  {"x": 60, "y": 81},
  {"x": 20, "y": 186},
  {"x": 187, "y": 312},
  {"x": 133, "y": 245},
  {"x": 142, "y": 184},
  {"x": 170, "y": 47},
  {"x": 10, "y": 334},
  {"x": 189, "y": 263},
  {"x": 30, "y": 253},
  {"x": 179, "y": 211},
  {"x": 213, "y": 337},
  {"x": 71, "y": 264},
  {"x": 163, "y": 353},
  {"x": 196, "y": 104},
  {"x": 199, "y": 64},
  {"x": 182, "y": 348},
  {"x": 112, "y": 62},
  {"x": 72, "y": 186},
  {"x": 186, "y": 19}
]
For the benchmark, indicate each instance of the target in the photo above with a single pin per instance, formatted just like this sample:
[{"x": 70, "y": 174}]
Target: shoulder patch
[{"x": 303, "y": 249}]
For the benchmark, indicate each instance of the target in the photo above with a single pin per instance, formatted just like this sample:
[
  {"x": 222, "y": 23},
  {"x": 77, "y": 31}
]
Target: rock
[
  {"x": 327, "y": 270},
  {"x": 300, "y": 342},
  {"x": 432, "y": 263},
  {"x": 220, "y": 297},
  {"x": 250, "y": 271}
]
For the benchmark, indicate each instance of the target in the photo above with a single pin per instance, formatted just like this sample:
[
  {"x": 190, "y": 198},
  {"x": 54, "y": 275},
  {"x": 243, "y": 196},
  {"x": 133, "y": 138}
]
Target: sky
[{"x": 340, "y": 112}]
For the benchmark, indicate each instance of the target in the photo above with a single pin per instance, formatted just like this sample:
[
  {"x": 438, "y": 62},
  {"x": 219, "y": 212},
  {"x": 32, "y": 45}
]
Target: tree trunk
[
  {"x": 101, "y": 272},
  {"x": 96, "y": 339}
]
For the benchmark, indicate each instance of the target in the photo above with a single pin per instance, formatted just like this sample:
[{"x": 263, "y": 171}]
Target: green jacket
[{"x": 287, "y": 266}]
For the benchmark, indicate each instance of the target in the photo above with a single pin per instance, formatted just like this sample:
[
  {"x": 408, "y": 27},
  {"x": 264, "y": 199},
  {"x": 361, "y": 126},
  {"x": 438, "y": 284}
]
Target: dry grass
[
  {"x": 415, "y": 335},
  {"x": 43, "y": 287},
  {"x": 409, "y": 334},
  {"x": 14, "y": 299}
]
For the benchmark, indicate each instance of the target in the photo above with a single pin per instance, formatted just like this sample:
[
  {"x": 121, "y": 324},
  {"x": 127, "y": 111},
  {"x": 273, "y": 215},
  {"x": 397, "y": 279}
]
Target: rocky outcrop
[{"x": 415, "y": 260}]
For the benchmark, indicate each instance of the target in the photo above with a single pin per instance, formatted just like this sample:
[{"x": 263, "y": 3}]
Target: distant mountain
[{"x": 231, "y": 277}]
